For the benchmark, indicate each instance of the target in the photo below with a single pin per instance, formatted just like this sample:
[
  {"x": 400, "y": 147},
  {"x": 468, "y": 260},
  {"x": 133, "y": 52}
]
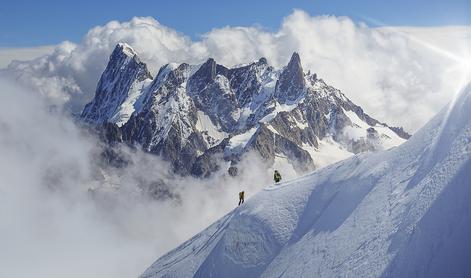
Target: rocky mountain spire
[
  {"x": 291, "y": 83},
  {"x": 203, "y": 76},
  {"x": 124, "y": 60},
  {"x": 123, "y": 72}
]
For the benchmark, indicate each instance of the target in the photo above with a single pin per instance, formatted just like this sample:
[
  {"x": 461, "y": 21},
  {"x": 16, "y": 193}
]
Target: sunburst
[{"x": 460, "y": 63}]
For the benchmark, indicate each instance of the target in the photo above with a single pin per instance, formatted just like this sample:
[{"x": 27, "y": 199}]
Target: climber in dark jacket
[
  {"x": 241, "y": 197},
  {"x": 277, "y": 176}
]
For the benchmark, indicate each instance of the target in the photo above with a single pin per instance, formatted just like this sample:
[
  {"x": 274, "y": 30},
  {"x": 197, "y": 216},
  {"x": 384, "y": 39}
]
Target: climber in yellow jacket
[
  {"x": 277, "y": 176},
  {"x": 241, "y": 197}
]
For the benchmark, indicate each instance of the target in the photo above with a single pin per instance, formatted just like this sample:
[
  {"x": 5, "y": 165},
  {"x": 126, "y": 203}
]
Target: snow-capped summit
[
  {"x": 126, "y": 49},
  {"x": 404, "y": 212},
  {"x": 119, "y": 88},
  {"x": 190, "y": 114}
]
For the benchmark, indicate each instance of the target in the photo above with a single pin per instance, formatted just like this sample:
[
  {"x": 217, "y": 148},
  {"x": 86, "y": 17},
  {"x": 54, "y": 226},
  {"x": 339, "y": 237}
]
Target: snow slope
[{"x": 404, "y": 212}]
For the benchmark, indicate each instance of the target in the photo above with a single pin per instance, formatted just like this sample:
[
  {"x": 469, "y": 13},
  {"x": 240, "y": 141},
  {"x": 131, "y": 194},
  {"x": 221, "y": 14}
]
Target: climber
[
  {"x": 241, "y": 197},
  {"x": 277, "y": 176}
]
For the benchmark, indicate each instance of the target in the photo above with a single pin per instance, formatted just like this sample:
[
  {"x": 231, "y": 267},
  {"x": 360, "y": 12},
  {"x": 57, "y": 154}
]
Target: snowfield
[{"x": 404, "y": 212}]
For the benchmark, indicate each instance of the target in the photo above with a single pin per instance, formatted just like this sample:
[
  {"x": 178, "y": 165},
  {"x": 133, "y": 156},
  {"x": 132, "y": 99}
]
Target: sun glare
[
  {"x": 465, "y": 66},
  {"x": 460, "y": 64}
]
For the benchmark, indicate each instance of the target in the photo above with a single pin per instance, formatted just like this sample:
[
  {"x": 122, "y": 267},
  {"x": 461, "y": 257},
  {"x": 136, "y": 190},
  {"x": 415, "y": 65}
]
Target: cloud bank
[
  {"x": 391, "y": 72},
  {"x": 7, "y": 55},
  {"x": 61, "y": 215}
]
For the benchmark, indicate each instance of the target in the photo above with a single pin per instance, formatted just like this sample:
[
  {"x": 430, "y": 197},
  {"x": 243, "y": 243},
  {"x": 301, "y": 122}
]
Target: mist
[{"x": 62, "y": 215}]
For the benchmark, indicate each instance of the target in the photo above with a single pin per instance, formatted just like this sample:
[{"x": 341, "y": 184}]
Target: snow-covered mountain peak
[
  {"x": 295, "y": 61},
  {"x": 291, "y": 83},
  {"x": 118, "y": 89},
  {"x": 126, "y": 49}
]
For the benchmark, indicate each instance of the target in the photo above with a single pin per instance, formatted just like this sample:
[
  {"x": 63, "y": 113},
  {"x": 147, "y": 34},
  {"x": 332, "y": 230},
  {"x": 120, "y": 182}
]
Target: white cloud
[
  {"x": 7, "y": 55},
  {"x": 395, "y": 78},
  {"x": 53, "y": 226}
]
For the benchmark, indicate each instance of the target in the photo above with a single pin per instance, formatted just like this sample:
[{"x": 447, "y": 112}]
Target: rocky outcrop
[
  {"x": 291, "y": 84},
  {"x": 124, "y": 75}
]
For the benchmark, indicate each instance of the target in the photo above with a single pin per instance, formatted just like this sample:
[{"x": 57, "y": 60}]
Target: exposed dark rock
[
  {"x": 123, "y": 71},
  {"x": 291, "y": 83},
  {"x": 401, "y": 132}
]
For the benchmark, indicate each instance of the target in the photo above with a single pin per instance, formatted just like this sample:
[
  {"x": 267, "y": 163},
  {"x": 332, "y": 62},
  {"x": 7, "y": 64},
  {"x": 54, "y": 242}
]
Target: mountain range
[{"x": 204, "y": 118}]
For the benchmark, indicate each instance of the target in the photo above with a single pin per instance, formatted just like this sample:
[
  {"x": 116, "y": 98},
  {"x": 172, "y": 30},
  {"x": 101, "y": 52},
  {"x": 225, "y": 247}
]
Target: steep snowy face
[
  {"x": 119, "y": 88},
  {"x": 404, "y": 212},
  {"x": 191, "y": 114},
  {"x": 167, "y": 124}
]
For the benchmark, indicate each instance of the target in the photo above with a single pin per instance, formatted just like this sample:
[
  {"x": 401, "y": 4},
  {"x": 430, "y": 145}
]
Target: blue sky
[{"x": 31, "y": 23}]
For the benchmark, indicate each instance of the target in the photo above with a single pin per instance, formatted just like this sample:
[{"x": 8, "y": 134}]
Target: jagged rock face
[
  {"x": 197, "y": 116},
  {"x": 124, "y": 75},
  {"x": 270, "y": 145},
  {"x": 291, "y": 83},
  {"x": 246, "y": 80},
  {"x": 166, "y": 124},
  {"x": 400, "y": 131},
  {"x": 218, "y": 100},
  {"x": 203, "y": 76}
]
